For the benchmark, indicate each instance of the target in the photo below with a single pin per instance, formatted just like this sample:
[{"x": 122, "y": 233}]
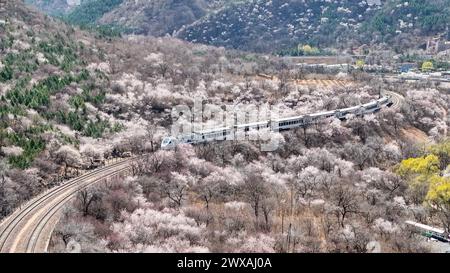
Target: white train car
[
  {"x": 430, "y": 232},
  {"x": 198, "y": 137},
  {"x": 251, "y": 126},
  {"x": 212, "y": 134},
  {"x": 289, "y": 123},
  {"x": 274, "y": 125}
]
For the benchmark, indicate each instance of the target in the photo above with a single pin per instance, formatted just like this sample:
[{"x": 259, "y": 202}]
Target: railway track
[
  {"x": 29, "y": 228},
  {"x": 397, "y": 99}
]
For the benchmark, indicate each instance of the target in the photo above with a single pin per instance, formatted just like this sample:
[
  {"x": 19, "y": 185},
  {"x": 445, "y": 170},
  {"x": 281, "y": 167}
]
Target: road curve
[{"x": 28, "y": 229}]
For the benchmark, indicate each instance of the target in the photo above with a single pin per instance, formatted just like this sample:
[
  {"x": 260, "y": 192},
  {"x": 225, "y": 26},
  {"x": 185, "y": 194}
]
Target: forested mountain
[
  {"x": 55, "y": 7},
  {"x": 249, "y": 24},
  {"x": 322, "y": 23},
  {"x": 285, "y": 24},
  {"x": 156, "y": 18}
]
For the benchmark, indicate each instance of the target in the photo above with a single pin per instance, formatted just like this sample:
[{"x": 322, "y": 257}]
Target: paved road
[{"x": 29, "y": 228}]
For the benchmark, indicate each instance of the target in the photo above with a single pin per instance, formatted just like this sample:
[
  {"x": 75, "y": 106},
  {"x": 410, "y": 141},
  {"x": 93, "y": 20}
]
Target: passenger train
[
  {"x": 228, "y": 133},
  {"x": 430, "y": 232}
]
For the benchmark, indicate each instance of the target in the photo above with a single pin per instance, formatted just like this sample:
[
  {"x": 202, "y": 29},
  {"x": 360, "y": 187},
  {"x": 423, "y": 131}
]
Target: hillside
[
  {"x": 323, "y": 23},
  {"x": 44, "y": 81},
  {"x": 90, "y": 12},
  {"x": 248, "y": 24},
  {"x": 156, "y": 18},
  {"x": 55, "y": 7}
]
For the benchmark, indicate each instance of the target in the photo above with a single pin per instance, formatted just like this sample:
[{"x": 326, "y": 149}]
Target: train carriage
[
  {"x": 430, "y": 232},
  {"x": 212, "y": 134},
  {"x": 252, "y": 126},
  {"x": 274, "y": 125},
  {"x": 288, "y": 123}
]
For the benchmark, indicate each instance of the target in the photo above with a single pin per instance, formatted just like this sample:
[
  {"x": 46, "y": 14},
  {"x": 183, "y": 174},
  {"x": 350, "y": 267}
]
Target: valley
[{"x": 84, "y": 112}]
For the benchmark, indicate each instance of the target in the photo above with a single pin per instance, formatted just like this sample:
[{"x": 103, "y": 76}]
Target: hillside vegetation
[
  {"x": 55, "y": 7},
  {"x": 156, "y": 18},
  {"x": 70, "y": 100},
  {"x": 248, "y": 24},
  {"x": 61, "y": 103},
  {"x": 91, "y": 11},
  {"x": 322, "y": 23}
]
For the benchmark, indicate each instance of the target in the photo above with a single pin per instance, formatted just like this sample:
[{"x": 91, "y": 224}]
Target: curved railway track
[
  {"x": 397, "y": 99},
  {"x": 29, "y": 228}
]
